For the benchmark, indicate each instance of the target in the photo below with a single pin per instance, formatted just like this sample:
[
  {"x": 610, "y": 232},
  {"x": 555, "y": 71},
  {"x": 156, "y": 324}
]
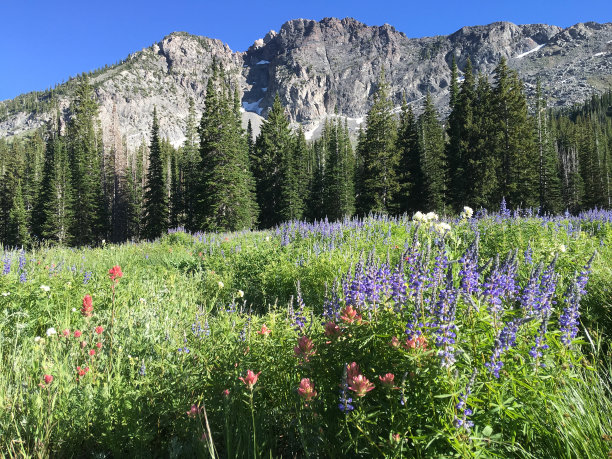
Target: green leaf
[{"x": 487, "y": 431}]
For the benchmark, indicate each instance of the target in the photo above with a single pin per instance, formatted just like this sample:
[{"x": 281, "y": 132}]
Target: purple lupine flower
[
  {"x": 463, "y": 422},
  {"x": 331, "y": 305},
  {"x": 439, "y": 269},
  {"x": 530, "y": 292},
  {"x": 22, "y": 260},
  {"x": 493, "y": 290},
  {"x": 568, "y": 322},
  {"x": 86, "y": 277},
  {"x": 540, "y": 340},
  {"x": 398, "y": 287},
  {"x": 468, "y": 273},
  {"x": 23, "y": 277},
  {"x": 504, "y": 341},
  {"x": 7, "y": 264},
  {"x": 529, "y": 254},
  {"x": 501, "y": 284},
  {"x": 297, "y": 318},
  {"x": 444, "y": 323},
  {"x": 345, "y": 401},
  {"x": 503, "y": 210},
  {"x": 546, "y": 291}
]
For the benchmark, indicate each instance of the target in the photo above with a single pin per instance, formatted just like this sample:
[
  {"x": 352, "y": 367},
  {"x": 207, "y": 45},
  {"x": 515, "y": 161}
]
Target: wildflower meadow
[{"x": 484, "y": 335}]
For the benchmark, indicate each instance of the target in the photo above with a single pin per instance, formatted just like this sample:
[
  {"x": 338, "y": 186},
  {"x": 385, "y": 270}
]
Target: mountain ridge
[{"x": 320, "y": 68}]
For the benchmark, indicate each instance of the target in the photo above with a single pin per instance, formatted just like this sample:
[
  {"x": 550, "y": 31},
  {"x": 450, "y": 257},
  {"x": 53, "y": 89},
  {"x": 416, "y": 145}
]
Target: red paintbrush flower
[
  {"x": 250, "y": 379},
  {"x": 115, "y": 273},
  {"x": 87, "y": 308}
]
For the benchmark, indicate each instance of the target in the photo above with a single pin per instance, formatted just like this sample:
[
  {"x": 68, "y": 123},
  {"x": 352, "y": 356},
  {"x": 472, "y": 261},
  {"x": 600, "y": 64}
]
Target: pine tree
[
  {"x": 460, "y": 136},
  {"x": 549, "y": 185},
  {"x": 155, "y": 196},
  {"x": 482, "y": 164},
  {"x": 52, "y": 212},
  {"x": 18, "y": 233},
  {"x": 135, "y": 185},
  {"x": 339, "y": 198},
  {"x": 514, "y": 140},
  {"x": 379, "y": 156},
  {"x": 190, "y": 168},
  {"x": 275, "y": 170},
  {"x": 226, "y": 196},
  {"x": 433, "y": 159},
  {"x": 88, "y": 205},
  {"x": 316, "y": 193},
  {"x": 412, "y": 194}
]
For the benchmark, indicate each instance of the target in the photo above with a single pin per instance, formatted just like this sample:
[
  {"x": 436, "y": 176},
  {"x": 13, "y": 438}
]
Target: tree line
[{"x": 64, "y": 185}]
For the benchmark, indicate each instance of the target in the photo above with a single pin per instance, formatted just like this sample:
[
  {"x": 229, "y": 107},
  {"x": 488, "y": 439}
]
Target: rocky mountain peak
[{"x": 330, "y": 66}]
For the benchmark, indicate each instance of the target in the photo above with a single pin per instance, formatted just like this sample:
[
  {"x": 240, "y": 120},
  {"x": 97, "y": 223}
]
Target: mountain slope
[{"x": 326, "y": 67}]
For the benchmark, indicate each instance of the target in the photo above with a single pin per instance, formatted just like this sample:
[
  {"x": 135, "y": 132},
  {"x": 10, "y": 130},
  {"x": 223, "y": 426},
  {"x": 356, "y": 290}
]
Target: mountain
[{"x": 324, "y": 68}]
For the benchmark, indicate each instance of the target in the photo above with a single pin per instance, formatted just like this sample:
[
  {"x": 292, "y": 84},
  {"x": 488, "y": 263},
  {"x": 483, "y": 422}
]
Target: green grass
[{"x": 184, "y": 292}]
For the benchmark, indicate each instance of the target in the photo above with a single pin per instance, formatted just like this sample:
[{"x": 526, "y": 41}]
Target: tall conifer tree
[
  {"x": 433, "y": 159},
  {"x": 275, "y": 170},
  {"x": 89, "y": 222},
  {"x": 379, "y": 156},
  {"x": 155, "y": 196}
]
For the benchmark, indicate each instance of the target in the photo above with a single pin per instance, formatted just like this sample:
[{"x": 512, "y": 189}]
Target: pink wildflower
[
  {"x": 350, "y": 315},
  {"x": 361, "y": 385},
  {"x": 265, "y": 331},
  {"x": 48, "y": 379},
  {"x": 306, "y": 389},
  {"x": 194, "y": 411},
  {"x": 250, "y": 379},
  {"x": 115, "y": 273},
  {"x": 414, "y": 343},
  {"x": 388, "y": 380},
  {"x": 352, "y": 370},
  {"x": 305, "y": 348},
  {"x": 87, "y": 308},
  {"x": 331, "y": 329}
]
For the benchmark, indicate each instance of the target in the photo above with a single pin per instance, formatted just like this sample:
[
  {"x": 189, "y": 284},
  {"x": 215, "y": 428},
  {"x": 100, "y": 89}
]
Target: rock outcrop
[{"x": 331, "y": 67}]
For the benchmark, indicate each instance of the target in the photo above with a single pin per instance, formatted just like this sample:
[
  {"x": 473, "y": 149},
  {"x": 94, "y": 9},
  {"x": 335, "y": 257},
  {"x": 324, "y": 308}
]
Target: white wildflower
[
  {"x": 467, "y": 212},
  {"x": 51, "y": 331},
  {"x": 431, "y": 216},
  {"x": 37, "y": 339},
  {"x": 419, "y": 217},
  {"x": 6, "y": 293},
  {"x": 562, "y": 248},
  {"x": 240, "y": 294},
  {"x": 221, "y": 284},
  {"x": 143, "y": 301},
  {"x": 45, "y": 288},
  {"x": 442, "y": 227}
]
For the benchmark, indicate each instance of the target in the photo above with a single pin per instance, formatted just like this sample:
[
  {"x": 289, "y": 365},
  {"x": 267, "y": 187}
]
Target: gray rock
[{"x": 330, "y": 67}]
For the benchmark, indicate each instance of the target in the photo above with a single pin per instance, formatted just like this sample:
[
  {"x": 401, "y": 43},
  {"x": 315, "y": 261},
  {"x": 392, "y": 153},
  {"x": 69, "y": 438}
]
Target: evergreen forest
[{"x": 63, "y": 185}]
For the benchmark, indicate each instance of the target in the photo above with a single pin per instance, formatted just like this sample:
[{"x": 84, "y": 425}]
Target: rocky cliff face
[{"x": 328, "y": 67}]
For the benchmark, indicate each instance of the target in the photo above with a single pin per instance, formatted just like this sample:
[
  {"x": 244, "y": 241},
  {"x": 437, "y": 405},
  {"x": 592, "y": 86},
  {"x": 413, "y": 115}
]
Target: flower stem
[{"x": 253, "y": 422}]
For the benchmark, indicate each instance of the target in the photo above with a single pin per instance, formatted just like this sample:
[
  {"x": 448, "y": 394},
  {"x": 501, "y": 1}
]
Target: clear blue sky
[{"x": 44, "y": 42}]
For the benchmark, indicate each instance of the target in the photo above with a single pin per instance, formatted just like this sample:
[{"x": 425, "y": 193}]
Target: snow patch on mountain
[{"x": 520, "y": 56}]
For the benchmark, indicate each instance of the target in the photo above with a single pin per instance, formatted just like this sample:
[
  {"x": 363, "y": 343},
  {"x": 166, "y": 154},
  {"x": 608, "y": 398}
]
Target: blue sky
[{"x": 44, "y": 42}]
